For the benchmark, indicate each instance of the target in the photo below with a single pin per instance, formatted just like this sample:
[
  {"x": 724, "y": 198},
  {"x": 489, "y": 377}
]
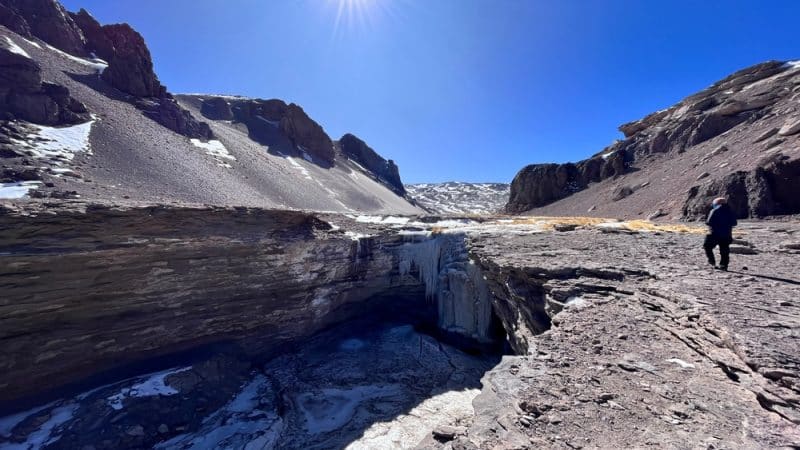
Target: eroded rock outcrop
[
  {"x": 733, "y": 126},
  {"x": 25, "y": 96},
  {"x": 541, "y": 184},
  {"x": 264, "y": 117},
  {"x": 385, "y": 170},
  {"x": 130, "y": 69}
]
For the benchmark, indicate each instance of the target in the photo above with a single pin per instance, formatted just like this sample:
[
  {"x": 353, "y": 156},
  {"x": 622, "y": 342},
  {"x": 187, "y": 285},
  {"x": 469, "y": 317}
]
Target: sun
[{"x": 355, "y": 15}]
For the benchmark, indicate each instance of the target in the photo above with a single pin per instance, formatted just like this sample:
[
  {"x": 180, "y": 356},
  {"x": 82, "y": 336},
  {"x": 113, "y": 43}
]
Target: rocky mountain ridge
[
  {"x": 455, "y": 197},
  {"x": 77, "y": 99},
  {"x": 737, "y": 138}
]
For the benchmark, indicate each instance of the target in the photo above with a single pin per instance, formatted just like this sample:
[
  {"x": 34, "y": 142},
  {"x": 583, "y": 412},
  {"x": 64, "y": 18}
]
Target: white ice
[
  {"x": 57, "y": 143},
  {"x": 14, "y": 48},
  {"x": 274, "y": 123},
  {"x": 153, "y": 385},
  {"x": 43, "y": 436},
  {"x": 239, "y": 424},
  {"x": 17, "y": 190},
  {"x": 9, "y": 422},
  {"x": 330, "y": 409},
  {"x": 389, "y": 220}
]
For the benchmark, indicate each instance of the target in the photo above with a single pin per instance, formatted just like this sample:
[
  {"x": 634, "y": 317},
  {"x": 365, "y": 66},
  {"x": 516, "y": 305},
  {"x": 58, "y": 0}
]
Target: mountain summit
[{"x": 85, "y": 115}]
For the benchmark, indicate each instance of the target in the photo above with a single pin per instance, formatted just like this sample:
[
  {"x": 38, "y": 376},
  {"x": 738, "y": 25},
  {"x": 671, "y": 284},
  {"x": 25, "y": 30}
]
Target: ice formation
[{"x": 453, "y": 281}]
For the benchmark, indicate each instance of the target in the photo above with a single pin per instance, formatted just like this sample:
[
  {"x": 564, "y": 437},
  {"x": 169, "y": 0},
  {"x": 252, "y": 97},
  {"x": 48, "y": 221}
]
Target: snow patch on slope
[
  {"x": 215, "y": 149},
  {"x": 56, "y": 144},
  {"x": 17, "y": 190},
  {"x": 14, "y": 48},
  {"x": 94, "y": 63}
]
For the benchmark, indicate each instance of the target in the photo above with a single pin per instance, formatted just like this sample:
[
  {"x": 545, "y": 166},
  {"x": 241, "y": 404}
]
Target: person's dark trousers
[{"x": 724, "y": 243}]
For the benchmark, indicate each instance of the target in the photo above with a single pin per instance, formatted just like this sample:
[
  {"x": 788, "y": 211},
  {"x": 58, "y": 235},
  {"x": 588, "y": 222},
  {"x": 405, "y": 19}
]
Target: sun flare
[{"x": 358, "y": 14}]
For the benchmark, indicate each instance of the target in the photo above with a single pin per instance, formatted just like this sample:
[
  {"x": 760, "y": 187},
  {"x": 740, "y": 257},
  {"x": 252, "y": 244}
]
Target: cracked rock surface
[{"x": 668, "y": 353}]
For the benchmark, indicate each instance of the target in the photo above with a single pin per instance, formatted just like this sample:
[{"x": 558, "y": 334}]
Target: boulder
[
  {"x": 18, "y": 72},
  {"x": 770, "y": 189},
  {"x": 540, "y": 184},
  {"x": 622, "y": 192},
  {"x": 791, "y": 127},
  {"x": 386, "y": 171}
]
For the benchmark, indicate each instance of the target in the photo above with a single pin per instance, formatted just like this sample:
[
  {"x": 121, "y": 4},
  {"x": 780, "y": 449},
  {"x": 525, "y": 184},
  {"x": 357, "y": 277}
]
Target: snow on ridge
[
  {"x": 95, "y": 63},
  {"x": 608, "y": 154},
  {"x": 215, "y": 149},
  {"x": 792, "y": 64},
  {"x": 14, "y": 48},
  {"x": 456, "y": 197}
]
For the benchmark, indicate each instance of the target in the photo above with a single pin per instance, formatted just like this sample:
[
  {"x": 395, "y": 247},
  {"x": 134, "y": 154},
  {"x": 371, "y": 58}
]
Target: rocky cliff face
[
  {"x": 737, "y": 137},
  {"x": 25, "y": 96},
  {"x": 45, "y": 19},
  {"x": 385, "y": 170},
  {"x": 185, "y": 278},
  {"x": 263, "y": 117}
]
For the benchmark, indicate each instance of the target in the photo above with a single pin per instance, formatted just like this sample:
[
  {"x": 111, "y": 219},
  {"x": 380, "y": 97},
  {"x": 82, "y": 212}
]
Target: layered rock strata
[{"x": 174, "y": 279}]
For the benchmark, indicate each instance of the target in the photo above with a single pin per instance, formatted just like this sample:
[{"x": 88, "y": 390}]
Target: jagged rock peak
[
  {"x": 45, "y": 19},
  {"x": 385, "y": 170}
]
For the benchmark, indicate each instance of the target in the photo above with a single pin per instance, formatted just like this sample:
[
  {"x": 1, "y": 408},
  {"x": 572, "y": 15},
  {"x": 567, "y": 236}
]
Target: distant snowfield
[{"x": 460, "y": 198}]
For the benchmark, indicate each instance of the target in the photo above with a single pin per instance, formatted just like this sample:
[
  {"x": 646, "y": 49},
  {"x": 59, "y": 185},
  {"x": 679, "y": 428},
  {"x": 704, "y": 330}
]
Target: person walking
[{"x": 721, "y": 221}]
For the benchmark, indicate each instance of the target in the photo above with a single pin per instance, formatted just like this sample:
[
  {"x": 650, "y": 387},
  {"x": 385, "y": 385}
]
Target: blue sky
[{"x": 468, "y": 90}]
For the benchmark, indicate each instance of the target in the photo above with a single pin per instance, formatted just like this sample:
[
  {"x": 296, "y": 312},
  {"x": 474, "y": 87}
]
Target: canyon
[
  {"x": 290, "y": 329},
  {"x": 216, "y": 271}
]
